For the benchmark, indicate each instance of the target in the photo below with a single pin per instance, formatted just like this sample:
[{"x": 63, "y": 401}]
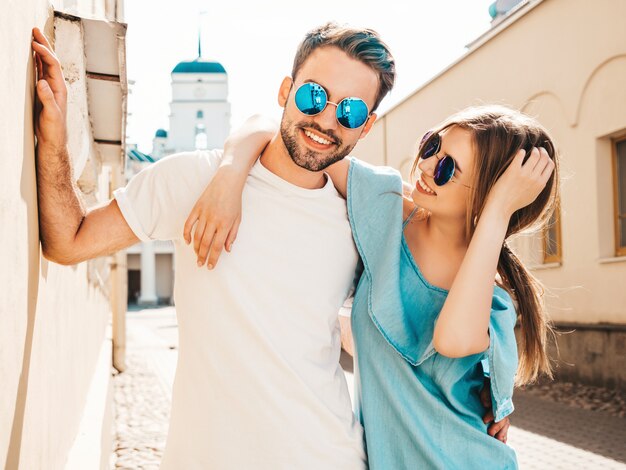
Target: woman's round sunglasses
[
  {"x": 444, "y": 170},
  {"x": 311, "y": 99}
]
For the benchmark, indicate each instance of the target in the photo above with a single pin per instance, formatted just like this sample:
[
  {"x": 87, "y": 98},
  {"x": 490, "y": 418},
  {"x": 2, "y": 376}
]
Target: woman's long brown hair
[{"x": 498, "y": 134}]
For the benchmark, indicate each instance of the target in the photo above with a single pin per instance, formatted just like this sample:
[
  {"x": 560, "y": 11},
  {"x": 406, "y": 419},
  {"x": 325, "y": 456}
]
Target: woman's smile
[{"x": 423, "y": 188}]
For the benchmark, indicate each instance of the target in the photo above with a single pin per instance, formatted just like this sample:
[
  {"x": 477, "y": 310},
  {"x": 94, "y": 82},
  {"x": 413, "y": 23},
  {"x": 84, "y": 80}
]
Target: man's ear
[
  {"x": 368, "y": 125},
  {"x": 283, "y": 92}
]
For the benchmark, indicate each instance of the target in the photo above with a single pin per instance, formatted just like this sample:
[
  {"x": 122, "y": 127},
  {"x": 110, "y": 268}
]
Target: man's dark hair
[{"x": 364, "y": 45}]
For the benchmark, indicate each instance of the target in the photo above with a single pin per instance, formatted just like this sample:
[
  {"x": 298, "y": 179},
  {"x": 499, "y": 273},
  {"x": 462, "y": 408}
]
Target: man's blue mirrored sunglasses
[{"x": 311, "y": 99}]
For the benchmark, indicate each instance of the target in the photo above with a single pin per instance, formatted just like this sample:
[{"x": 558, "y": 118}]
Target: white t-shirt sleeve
[
  {"x": 346, "y": 309},
  {"x": 158, "y": 199}
]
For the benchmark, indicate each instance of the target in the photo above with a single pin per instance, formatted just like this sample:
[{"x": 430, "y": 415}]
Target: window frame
[
  {"x": 558, "y": 256},
  {"x": 619, "y": 249}
]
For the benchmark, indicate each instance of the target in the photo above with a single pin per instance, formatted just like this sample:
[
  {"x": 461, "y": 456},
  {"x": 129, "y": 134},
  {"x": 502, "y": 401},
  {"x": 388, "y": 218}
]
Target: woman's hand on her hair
[
  {"x": 522, "y": 182},
  {"x": 461, "y": 331},
  {"x": 216, "y": 216}
]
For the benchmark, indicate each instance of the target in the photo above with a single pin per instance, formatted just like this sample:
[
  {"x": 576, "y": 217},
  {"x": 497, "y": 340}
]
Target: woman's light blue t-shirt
[{"x": 419, "y": 409}]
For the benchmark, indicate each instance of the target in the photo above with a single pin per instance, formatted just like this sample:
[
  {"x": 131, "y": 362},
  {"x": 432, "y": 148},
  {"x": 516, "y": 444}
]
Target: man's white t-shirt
[{"x": 258, "y": 383}]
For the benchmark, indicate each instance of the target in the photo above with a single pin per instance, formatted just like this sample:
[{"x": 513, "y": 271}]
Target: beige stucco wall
[
  {"x": 564, "y": 61},
  {"x": 53, "y": 317}
]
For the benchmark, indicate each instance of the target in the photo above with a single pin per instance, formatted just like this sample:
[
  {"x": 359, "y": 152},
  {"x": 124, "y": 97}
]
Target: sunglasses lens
[
  {"x": 426, "y": 137},
  {"x": 432, "y": 144},
  {"x": 311, "y": 99},
  {"x": 352, "y": 112},
  {"x": 444, "y": 170}
]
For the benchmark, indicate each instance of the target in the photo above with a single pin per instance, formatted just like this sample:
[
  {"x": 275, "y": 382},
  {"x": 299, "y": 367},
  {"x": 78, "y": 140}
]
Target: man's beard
[{"x": 307, "y": 158}]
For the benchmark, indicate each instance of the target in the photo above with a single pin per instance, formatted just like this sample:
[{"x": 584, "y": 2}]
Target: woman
[{"x": 433, "y": 311}]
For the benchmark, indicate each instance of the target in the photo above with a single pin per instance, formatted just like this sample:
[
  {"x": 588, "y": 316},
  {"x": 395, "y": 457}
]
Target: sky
[{"x": 256, "y": 41}]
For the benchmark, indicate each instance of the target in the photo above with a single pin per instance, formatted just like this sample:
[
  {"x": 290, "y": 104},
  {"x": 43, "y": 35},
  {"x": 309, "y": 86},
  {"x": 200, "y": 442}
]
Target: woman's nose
[{"x": 428, "y": 165}]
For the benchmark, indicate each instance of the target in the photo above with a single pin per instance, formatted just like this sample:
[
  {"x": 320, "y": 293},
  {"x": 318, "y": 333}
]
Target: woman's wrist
[
  {"x": 494, "y": 222},
  {"x": 498, "y": 211}
]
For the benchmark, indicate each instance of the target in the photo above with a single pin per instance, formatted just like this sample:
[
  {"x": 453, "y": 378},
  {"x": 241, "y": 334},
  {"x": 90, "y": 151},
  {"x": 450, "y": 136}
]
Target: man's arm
[
  {"x": 68, "y": 233},
  {"x": 69, "y": 239}
]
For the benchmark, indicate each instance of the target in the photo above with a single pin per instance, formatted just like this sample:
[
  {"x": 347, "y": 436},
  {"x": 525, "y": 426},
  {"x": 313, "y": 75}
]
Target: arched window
[{"x": 202, "y": 139}]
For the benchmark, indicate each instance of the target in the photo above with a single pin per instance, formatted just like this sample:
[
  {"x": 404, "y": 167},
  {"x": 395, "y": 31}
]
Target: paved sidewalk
[
  {"x": 545, "y": 434},
  {"x": 554, "y": 435},
  {"x": 143, "y": 393}
]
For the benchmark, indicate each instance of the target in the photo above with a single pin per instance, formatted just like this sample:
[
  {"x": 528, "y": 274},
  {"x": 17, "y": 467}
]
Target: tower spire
[
  {"x": 199, "y": 42},
  {"x": 200, "y": 32}
]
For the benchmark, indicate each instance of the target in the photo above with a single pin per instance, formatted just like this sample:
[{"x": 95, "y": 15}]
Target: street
[{"x": 545, "y": 434}]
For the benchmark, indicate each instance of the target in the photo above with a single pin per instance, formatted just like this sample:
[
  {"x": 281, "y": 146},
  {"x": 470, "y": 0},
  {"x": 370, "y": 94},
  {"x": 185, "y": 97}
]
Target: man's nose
[{"x": 326, "y": 119}]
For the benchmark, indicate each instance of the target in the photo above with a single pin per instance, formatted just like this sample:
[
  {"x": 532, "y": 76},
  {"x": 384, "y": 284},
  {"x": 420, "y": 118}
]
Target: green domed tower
[{"x": 199, "y": 111}]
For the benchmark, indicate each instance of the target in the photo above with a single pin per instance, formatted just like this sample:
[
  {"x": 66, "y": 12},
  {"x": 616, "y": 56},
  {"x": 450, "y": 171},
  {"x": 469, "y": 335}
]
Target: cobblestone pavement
[
  {"x": 581, "y": 396},
  {"x": 553, "y": 435},
  {"x": 143, "y": 391},
  {"x": 553, "y": 427}
]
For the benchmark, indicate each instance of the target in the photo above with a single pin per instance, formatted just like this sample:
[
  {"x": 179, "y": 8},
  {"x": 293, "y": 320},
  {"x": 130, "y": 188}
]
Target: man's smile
[{"x": 316, "y": 139}]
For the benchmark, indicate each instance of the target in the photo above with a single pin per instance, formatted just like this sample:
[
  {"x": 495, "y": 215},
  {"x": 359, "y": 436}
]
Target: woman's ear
[{"x": 283, "y": 92}]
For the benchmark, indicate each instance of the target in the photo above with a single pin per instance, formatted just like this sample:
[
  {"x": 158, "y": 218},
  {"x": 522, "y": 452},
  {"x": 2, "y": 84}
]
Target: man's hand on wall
[
  {"x": 69, "y": 234},
  {"x": 51, "y": 129}
]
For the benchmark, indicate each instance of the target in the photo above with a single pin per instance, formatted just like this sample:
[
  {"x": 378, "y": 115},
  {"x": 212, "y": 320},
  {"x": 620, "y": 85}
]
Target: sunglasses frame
[
  {"x": 333, "y": 103},
  {"x": 426, "y": 139}
]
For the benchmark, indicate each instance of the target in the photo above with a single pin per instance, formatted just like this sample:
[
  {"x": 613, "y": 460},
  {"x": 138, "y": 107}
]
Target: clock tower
[{"x": 200, "y": 111}]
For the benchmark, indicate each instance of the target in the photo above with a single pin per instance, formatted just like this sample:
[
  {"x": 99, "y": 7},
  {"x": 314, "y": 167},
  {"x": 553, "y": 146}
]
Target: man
[{"x": 258, "y": 382}]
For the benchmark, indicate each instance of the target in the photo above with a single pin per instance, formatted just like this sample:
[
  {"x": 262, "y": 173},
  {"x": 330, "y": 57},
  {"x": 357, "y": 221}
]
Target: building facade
[
  {"x": 199, "y": 120},
  {"x": 55, "y": 346},
  {"x": 564, "y": 62}
]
